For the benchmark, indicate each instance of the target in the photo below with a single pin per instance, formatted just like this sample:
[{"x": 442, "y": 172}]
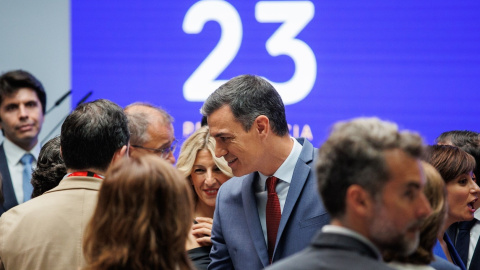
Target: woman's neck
[
  {"x": 204, "y": 210},
  {"x": 446, "y": 225}
]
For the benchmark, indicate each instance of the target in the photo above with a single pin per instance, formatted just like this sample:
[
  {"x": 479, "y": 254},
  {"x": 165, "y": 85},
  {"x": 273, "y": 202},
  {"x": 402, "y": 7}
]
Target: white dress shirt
[
  {"x": 14, "y": 154},
  {"x": 474, "y": 234},
  {"x": 284, "y": 174}
]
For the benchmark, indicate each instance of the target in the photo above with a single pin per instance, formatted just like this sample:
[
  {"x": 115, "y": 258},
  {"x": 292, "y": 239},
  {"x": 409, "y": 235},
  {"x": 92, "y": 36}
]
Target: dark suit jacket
[
  {"x": 452, "y": 233},
  {"x": 10, "y": 200},
  {"x": 237, "y": 236},
  {"x": 456, "y": 260},
  {"x": 330, "y": 251}
]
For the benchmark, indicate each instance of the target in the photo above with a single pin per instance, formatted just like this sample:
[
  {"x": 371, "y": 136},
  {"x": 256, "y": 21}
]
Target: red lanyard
[{"x": 90, "y": 174}]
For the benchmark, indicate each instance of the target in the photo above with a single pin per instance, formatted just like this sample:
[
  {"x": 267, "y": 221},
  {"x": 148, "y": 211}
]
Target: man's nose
[
  {"x": 22, "y": 110},
  {"x": 424, "y": 209},
  {"x": 220, "y": 151},
  {"x": 171, "y": 158}
]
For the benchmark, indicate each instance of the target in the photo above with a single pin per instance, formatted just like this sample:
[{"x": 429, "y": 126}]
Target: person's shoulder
[
  {"x": 308, "y": 152},
  {"x": 20, "y": 212},
  {"x": 328, "y": 259},
  {"x": 234, "y": 184},
  {"x": 441, "y": 264}
]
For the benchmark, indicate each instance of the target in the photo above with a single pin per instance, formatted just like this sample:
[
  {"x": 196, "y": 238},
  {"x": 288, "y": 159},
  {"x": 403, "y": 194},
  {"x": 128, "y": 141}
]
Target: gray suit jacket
[
  {"x": 331, "y": 251},
  {"x": 237, "y": 236},
  {"x": 442, "y": 264}
]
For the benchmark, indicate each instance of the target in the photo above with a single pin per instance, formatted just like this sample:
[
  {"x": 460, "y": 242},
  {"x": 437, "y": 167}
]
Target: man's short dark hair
[
  {"x": 468, "y": 141},
  {"x": 92, "y": 134},
  {"x": 249, "y": 96},
  {"x": 12, "y": 81}
]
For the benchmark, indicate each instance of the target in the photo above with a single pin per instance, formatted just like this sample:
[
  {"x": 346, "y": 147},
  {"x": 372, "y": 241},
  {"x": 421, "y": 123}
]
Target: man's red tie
[{"x": 273, "y": 215}]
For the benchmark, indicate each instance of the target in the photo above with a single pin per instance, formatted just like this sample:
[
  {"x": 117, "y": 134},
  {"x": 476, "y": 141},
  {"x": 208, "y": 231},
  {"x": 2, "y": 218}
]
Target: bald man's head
[{"x": 151, "y": 131}]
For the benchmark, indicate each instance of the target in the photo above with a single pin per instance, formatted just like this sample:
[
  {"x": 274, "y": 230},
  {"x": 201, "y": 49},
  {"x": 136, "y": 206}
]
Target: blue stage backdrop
[{"x": 413, "y": 62}]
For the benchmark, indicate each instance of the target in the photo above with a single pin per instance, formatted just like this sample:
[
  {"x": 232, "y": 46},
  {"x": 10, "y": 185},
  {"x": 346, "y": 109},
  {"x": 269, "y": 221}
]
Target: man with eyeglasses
[{"x": 151, "y": 131}]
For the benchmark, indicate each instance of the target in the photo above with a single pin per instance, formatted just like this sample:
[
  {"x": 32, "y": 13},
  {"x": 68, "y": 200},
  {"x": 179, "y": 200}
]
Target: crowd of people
[{"x": 108, "y": 192}]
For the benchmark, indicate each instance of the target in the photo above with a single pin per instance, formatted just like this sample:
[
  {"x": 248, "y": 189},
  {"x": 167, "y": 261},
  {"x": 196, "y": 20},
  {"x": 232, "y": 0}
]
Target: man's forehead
[
  {"x": 25, "y": 92},
  {"x": 403, "y": 168},
  {"x": 222, "y": 122},
  {"x": 221, "y": 129},
  {"x": 161, "y": 128}
]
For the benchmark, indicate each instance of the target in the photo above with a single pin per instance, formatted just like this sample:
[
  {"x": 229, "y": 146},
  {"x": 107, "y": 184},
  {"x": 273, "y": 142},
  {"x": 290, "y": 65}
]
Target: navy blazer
[
  {"x": 452, "y": 232},
  {"x": 438, "y": 251},
  {"x": 10, "y": 200},
  {"x": 237, "y": 236}
]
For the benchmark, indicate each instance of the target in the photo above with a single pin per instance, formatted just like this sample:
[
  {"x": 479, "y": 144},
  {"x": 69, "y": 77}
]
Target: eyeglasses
[{"x": 163, "y": 152}]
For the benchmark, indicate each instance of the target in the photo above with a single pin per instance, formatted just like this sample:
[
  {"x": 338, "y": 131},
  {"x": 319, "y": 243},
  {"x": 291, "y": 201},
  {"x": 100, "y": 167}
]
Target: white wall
[{"x": 35, "y": 36}]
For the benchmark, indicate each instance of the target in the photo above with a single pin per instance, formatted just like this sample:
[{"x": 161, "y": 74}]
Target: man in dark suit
[
  {"x": 460, "y": 232},
  {"x": 273, "y": 210},
  {"x": 22, "y": 107},
  {"x": 370, "y": 180}
]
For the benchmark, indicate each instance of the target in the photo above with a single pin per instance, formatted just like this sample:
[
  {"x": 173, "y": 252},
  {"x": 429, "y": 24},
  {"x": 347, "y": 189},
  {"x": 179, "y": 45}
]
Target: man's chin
[
  {"x": 28, "y": 137},
  {"x": 25, "y": 139},
  {"x": 238, "y": 172}
]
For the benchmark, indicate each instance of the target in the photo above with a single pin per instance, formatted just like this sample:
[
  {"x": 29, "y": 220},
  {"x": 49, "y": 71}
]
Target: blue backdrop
[{"x": 413, "y": 62}]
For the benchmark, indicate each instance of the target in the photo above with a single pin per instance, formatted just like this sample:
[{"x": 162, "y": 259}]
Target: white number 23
[{"x": 294, "y": 16}]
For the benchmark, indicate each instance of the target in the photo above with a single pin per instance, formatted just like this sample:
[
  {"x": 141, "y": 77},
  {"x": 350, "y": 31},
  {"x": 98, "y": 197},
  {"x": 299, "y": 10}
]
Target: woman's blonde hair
[
  {"x": 199, "y": 140},
  {"x": 142, "y": 219}
]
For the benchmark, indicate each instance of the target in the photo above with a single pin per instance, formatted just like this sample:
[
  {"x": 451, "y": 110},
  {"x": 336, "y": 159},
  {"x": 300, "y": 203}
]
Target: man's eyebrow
[
  {"x": 218, "y": 135},
  {"x": 168, "y": 143},
  {"x": 414, "y": 185}
]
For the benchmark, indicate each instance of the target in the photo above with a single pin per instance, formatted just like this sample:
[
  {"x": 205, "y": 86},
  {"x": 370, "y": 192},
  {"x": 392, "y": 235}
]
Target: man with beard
[{"x": 370, "y": 179}]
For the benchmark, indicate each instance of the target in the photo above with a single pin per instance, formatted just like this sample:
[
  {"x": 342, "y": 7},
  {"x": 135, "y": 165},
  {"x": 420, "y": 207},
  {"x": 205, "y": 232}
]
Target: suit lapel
[
  {"x": 299, "y": 178},
  {"x": 7, "y": 186},
  {"x": 253, "y": 221}
]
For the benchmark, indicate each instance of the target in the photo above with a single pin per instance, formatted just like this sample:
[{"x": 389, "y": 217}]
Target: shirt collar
[
  {"x": 285, "y": 171},
  {"x": 14, "y": 153},
  {"x": 68, "y": 175}
]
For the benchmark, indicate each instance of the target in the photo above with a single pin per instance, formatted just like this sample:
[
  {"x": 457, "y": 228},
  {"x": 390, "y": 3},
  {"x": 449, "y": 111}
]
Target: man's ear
[
  {"x": 359, "y": 200},
  {"x": 262, "y": 125},
  {"x": 130, "y": 150},
  {"x": 120, "y": 153}
]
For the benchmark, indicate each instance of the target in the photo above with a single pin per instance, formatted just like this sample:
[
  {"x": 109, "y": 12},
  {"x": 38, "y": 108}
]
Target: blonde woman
[{"x": 206, "y": 173}]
